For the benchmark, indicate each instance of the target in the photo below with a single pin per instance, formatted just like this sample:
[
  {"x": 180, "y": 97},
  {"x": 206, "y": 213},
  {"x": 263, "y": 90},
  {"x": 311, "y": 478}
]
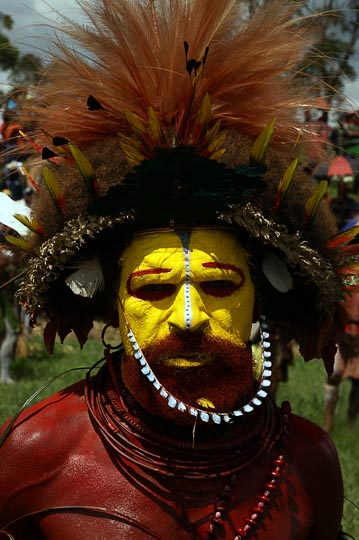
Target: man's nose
[{"x": 188, "y": 310}]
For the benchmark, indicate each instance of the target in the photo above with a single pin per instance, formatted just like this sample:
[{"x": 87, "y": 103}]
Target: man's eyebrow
[
  {"x": 145, "y": 272},
  {"x": 149, "y": 271},
  {"x": 224, "y": 266}
]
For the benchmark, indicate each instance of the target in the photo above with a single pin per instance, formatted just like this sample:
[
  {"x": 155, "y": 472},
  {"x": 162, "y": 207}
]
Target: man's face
[{"x": 189, "y": 303}]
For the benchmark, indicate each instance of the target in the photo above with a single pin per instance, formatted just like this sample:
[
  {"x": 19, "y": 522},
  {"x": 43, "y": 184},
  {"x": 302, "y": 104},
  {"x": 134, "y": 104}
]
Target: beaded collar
[{"x": 157, "y": 446}]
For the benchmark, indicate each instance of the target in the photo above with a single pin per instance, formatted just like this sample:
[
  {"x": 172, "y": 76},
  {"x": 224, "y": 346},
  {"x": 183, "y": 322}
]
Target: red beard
[{"x": 226, "y": 380}]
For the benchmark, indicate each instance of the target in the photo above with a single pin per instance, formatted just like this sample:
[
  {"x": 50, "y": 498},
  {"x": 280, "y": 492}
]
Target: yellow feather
[
  {"x": 131, "y": 148},
  {"x": 85, "y": 168},
  {"x": 30, "y": 179},
  {"x": 198, "y": 75},
  {"x": 54, "y": 189},
  {"x": 134, "y": 122},
  {"x": 288, "y": 176},
  {"x": 343, "y": 237},
  {"x": 19, "y": 243},
  {"x": 259, "y": 147},
  {"x": 285, "y": 182},
  {"x": 216, "y": 143},
  {"x": 31, "y": 224},
  {"x": 217, "y": 155},
  {"x": 312, "y": 204},
  {"x": 349, "y": 268},
  {"x": 204, "y": 113},
  {"x": 61, "y": 150},
  {"x": 154, "y": 126},
  {"x": 212, "y": 132}
]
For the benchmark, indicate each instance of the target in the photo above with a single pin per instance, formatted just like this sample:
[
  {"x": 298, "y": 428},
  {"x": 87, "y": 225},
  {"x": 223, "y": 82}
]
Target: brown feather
[{"x": 136, "y": 60}]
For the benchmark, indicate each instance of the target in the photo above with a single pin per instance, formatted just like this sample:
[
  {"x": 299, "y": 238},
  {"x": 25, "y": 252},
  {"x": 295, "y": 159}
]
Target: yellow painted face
[{"x": 199, "y": 282}]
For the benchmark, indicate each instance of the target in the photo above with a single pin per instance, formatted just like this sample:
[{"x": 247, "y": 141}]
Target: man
[{"x": 185, "y": 244}]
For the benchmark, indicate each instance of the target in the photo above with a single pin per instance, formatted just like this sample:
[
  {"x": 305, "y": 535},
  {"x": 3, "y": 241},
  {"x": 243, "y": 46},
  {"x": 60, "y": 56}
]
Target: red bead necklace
[{"x": 246, "y": 530}]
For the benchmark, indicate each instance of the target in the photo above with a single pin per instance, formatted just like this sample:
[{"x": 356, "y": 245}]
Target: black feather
[
  {"x": 47, "y": 153},
  {"x": 93, "y": 104},
  {"x": 59, "y": 141}
]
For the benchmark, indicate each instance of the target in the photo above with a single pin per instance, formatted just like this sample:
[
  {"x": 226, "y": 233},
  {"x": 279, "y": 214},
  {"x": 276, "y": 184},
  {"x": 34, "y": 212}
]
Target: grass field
[{"x": 304, "y": 390}]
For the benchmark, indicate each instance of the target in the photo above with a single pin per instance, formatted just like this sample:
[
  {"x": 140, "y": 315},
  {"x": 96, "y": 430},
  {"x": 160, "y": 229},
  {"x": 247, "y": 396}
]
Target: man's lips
[{"x": 186, "y": 360}]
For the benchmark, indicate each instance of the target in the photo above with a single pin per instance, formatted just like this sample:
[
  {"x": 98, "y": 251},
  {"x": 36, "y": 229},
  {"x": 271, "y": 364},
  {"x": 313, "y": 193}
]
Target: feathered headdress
[{"x": 160, "y": 112}]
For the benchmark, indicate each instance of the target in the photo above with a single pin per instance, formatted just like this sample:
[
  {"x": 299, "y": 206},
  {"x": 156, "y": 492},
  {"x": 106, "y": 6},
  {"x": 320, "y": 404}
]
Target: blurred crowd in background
[{"x": 14, "y": 328}]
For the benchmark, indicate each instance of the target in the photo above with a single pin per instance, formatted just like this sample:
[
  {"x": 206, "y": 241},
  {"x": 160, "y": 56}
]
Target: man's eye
[
  {"x": 220, "y": 287},
  {"x": 154, "y": 291}
]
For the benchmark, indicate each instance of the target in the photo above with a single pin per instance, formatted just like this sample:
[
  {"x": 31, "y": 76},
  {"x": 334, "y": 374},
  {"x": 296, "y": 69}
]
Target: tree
[
  {"x": 27, "y": 70},
  {"x": 6, "y": 21},
  {"x": 332, "y": 60},
  {"x": 22, "y": 68},
  {"x": 8, "y": 53},
  {"x": 337, "y": 44}
]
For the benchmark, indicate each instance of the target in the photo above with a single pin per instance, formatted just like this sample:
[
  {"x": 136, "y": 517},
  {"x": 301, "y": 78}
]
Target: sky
[{"x": 29, "y": 13}]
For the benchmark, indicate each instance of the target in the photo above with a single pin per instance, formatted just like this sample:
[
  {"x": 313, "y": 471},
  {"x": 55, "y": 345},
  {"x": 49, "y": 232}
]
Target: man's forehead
[
  {"x": 209, "y": 242},
  {"x": 170, "y": 250}
]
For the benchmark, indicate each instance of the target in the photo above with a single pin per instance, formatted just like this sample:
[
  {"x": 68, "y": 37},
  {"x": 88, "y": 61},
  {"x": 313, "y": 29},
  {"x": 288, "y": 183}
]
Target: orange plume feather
[{"x": 137, "y": 62}]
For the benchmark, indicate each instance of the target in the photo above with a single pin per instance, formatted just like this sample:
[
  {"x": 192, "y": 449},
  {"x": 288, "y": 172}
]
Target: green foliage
[
  {"x": 27, "y": 69},
  {"x": 6, "y": 21},
  {"x": 8, "y": 53},
  {"x": 336, "y": 31},
  {"x": 40, "y": 367},
  {"x": 304, "y": 390},
  {"x": 24, "y": 68},
  {"x": 337, "y": 39}
]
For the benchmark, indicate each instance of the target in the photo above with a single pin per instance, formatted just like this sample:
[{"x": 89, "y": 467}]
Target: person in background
[
  {"x": 9, "y": 321},
  {"x": 346, "y": 365}
]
